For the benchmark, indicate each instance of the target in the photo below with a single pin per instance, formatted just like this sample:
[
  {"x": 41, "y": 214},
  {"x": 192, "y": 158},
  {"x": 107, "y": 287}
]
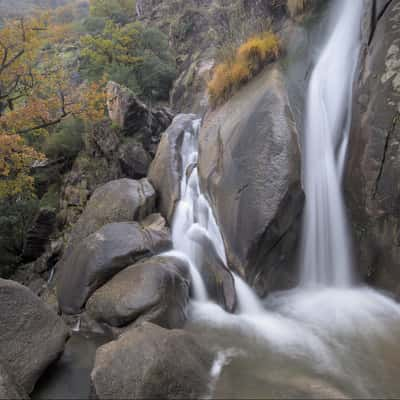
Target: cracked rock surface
[{"x": 372, "y": 179}]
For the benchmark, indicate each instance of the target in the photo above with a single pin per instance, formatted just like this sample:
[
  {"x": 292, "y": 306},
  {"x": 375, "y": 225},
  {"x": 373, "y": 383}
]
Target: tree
[
  {"x": 120, "y": 11},
  {"x": 116, "y": 44},
  {"x": 132, "y": 55},
  {"x": 36, "y": 93}
]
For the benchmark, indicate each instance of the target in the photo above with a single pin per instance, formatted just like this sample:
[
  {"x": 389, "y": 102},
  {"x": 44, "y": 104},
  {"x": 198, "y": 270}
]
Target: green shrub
[
  {"x": 66, "y": 141},
  {"x": 125, "y": 75},
  {"x": 156, "y": 77},
  {"x": 94, "y": 24},
  {"x": 133, "y": 55},
  {"x": 51, "y": 198},
  {"x": 16, "y": 217}
]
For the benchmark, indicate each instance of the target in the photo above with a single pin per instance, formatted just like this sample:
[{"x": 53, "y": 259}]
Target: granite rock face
[
  {"x": 250, "y": 170},
  {"x": 32, "y": 336},
  {"x": 372, "y": 185}
]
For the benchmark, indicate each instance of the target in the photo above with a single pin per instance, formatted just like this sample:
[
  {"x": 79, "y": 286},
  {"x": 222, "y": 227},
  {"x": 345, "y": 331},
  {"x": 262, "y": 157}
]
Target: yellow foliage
[
  {"x": 240, "y": 72},
  {"x": 36, "y": 93},
  {"x": 249, "y": 58},
  {"x": 259, "y": 48}
]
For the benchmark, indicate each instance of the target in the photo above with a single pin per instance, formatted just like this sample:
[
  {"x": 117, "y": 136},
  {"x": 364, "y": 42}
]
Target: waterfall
[
  {"x": 193, "y": 216},
  {"x": 326, "y": 256},
  {"x": 324, "y": 339}
]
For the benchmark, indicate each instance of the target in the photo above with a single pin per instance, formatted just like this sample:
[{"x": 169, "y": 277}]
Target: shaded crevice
[
  {"x": 385, "y": 154},
  {"x": 375, "y": 18}
]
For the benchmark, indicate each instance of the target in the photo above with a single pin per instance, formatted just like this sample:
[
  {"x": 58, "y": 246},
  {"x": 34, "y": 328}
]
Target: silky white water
[
  {"x": 324, "y": 339},
  {"x": 326, "y": 255}
]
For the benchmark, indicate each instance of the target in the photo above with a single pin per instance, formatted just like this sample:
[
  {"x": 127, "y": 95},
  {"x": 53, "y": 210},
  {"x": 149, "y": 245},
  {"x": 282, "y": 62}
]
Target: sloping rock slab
[{"x": 249, "y": 168}]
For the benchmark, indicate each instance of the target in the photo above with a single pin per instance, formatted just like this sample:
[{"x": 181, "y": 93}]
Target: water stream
[
  {"x": 326, "y": 254},
  {"x": 326, "y": 338}
]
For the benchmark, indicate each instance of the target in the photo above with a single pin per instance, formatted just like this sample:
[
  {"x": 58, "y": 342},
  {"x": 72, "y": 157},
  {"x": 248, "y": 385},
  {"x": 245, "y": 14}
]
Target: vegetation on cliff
[
  {"x": 244, "y": 64},
  {"x": 53, "y": 66}
]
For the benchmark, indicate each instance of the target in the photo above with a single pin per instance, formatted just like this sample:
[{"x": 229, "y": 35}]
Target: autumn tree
[{"x": 36, "y": 93}]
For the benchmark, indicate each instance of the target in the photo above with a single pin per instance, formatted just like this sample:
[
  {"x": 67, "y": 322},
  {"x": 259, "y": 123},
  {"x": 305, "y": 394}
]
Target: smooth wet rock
[
  {"x": 8, "y": 388},
  {"x": 155, "y": 290},
  {"x": 165, "y": 170},
  {"x": 150, "y": 362},
  {"x": 116, "y": 201},
  {"x": 216, "y": 276},
  {"x": 250, "y": 170},
  {"x": 97, "y": 258},
  {"x": 372, "y": 185},
  {"x": 31, "y": 335}
]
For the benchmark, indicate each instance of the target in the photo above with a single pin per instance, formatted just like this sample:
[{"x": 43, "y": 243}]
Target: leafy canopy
[
  {"x": 120, "y": 11},
  {"x": 36, "y": 93},
  {"x": 135, "y": 56}
]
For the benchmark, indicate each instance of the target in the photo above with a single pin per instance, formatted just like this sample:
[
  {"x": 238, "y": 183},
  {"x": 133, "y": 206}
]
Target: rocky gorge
[{"x": 114, "y": 261}]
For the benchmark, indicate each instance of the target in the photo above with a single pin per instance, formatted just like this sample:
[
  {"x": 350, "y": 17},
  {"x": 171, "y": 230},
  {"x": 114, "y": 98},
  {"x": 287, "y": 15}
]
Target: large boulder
[
  {"x": 134, "y": 159},
  {"x": 150, "y": 362},
  {"x": 97, "y": 258},
  {"x": 116, "y": 201},
  {"x": 249, "y": 168},
  {"x": 155, "y": 290},
  {"x": 133, "y": 116},
  {"x": 372, "y": 183},
  {"x": 166, "y": 169},
  {"x": 31, "y": 335},
  {"x": 8, "y": 388}
]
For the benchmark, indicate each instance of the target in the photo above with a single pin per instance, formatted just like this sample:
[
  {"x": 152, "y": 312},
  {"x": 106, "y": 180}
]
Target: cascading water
[
  {"x": 323, "y": 339},
  {"x": 326, "y": 255}
]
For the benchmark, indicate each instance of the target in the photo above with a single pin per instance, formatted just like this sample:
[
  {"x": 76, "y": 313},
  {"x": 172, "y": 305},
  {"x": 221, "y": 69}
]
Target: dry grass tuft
[{"x": 249, "y": 58}]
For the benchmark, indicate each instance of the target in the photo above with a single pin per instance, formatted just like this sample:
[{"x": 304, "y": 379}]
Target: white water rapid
[{"x": 324, "y": 339}]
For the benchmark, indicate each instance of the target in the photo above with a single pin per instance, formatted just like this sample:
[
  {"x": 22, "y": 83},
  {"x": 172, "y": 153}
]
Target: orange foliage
[
  {"x": 249, "y": 58},
  {"x": 36, "y": 92}
]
